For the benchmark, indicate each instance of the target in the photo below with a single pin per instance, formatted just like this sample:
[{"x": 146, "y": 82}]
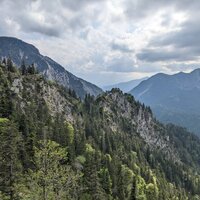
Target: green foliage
[
  {"x": 53, "y": 146},
  {"x": 70, "y": 132},
  {"x": 4, "y": 121},
  {"x": 125, "y": 182},
  {"x": 105, "y": 180},
  {"x": 89, "y": 148},
  {"x": 50, "y": 179},
  {"x": 10, "y": 166}
]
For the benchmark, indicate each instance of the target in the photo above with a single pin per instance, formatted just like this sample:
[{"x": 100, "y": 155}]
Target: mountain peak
[
  {"x": 196, "y": 71},
  {"x": 12, "y": 42},
  {"x": 19, "y": 50},
  {"x": 173, "y": 98}
]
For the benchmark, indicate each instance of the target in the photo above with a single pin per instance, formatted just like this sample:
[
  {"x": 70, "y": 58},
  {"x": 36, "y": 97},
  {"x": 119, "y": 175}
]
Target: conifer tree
[
  {"x": 52, "y": 178},
  {"x": 133, "y": 190},
  {"x": 4, "y": 61},
  {"x": 23, "y": 68},
  {"x": 10, "y": 66},
  {"x": 93, "y": 187},
  {"x": 106, "y": 181},
  {"x": 10, "y": 165}
]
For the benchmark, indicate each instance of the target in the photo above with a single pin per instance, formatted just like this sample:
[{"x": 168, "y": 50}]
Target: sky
[{"x": 109, "y": 41}]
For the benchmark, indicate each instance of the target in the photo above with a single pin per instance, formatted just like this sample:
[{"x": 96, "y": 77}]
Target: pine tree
[
  {"x": 52, "y": 178},
  {"x": 4, "y": 61},
  {"x": 10, "y": 66},
  {"x": 93, "y": 188},
  {"x": 133, "y": 190},
  {"x": 124, "y": 183},
  {"x": 23, "y": 68},
  {"x": 10, "y": 165},
  {"x": 106, "y": 181},
  {"x": 31, "y": 69}
]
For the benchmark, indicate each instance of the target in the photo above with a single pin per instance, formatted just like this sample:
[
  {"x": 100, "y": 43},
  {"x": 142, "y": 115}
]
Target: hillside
[
  {"x": 19, "y": 50},
  {"x": 53, "y": 146},
  {"x": 173, "y": 98}
]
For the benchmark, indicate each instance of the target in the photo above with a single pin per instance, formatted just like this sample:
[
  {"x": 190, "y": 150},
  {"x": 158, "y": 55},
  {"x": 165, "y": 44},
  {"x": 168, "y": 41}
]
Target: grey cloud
[
  {"x": 161, "y": 55},
  {"x": 76, "y": 5},
  {"x": 20, "y": 13},
  {"x": 187, "y": 37},
  {"x": 79, "y": 22},
  {"x": 126, "y": 65},
  {"x": 180, "y": 45},
  {"x": 121, "y": 64},
  {"x": 57, "y": 19},
  {"x": 184, "y": 45},
  {"x": 182, "y": 66},
  {"x": 139, "y": 9},
  {"x": 50, "y": 31},
  {"x": 30, "y": 25},
  {"x": 121, "y": 47}
]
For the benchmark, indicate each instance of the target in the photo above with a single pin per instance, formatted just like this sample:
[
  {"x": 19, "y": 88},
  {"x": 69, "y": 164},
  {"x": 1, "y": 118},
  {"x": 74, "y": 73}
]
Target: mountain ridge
[
  {"x": 169, "y": 95},
  {"x": 125, "y": 86},
  {"x": 19, "y": 50}
]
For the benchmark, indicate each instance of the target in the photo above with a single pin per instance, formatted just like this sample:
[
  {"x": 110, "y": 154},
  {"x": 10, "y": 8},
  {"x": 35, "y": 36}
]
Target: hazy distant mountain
[
  {"x": 173, "y": 98},
  {"x": 19, "y": 50},
  {"x": 125, "y": 86}
]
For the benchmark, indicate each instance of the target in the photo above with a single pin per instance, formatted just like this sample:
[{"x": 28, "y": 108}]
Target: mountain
[
  {"x": 55, "y": 146},
  {"x": 19, "y": 50},
  {"x": 125, "y": 86},
  {"x": 173, "y": 98}
]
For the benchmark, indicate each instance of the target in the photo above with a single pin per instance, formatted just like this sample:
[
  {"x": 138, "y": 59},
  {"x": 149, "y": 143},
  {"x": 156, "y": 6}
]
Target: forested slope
[{"x": 54, "y": 146}]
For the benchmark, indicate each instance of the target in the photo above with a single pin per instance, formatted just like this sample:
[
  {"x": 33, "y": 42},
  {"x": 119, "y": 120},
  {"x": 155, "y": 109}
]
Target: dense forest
[{"x": 54, "y": 146}]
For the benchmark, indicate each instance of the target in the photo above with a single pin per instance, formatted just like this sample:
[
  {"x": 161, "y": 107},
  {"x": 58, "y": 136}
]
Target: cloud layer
[{"x": 107, "y": 41}]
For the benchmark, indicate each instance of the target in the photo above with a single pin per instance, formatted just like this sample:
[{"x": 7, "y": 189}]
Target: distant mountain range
[
  {"x": 125, "y": 86},
  {"x": 173, "y": 98},
  {"x": 19, "y": 50}
]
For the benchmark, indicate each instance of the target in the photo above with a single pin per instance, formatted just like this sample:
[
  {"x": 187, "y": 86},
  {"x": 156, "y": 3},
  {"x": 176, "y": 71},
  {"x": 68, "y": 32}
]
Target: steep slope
[
  {"x": 125, "y": 86},
  {"x": 114, "y": 142},
  {"x": 19, "y": 50},
  {"x": 173, "y": 98}
]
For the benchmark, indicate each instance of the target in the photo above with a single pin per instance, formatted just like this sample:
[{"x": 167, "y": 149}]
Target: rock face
[
  {"x": 45, "y": 92},
  {"x": 19, "y": 50},
  {"x": 123, "y": 106},
  {"x": 173, "y": 98}
]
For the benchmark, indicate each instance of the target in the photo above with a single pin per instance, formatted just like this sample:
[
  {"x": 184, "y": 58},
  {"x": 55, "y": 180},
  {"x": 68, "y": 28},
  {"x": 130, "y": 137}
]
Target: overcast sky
[{"x": 109, "y": 41}]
